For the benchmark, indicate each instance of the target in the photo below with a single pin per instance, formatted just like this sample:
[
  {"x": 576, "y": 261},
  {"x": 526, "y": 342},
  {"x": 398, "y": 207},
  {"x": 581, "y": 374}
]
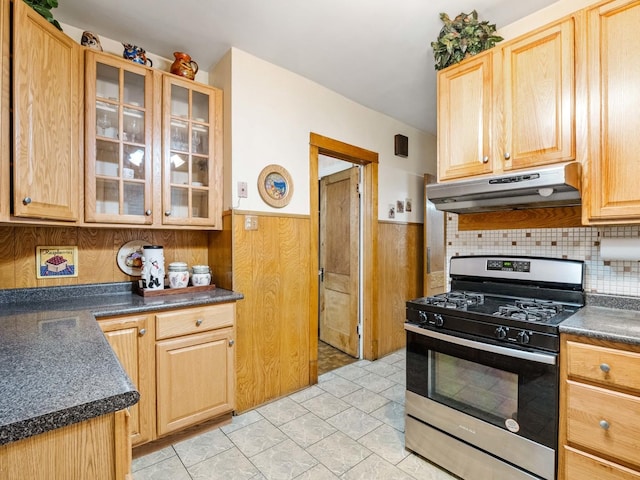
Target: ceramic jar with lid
[
  {"x": 178, "y": 275},
  {"x": 201, "y": 275},
  {"x": 152, "y": 267}
]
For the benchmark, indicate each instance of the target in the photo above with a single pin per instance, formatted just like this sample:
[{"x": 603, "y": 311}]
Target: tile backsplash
[{"x": 601, "y": 276}]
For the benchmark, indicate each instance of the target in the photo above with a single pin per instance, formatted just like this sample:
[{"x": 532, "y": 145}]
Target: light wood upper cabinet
[
  {"x": 537, "y": 98},
  {"x": 191, "y": 153},
  {"x": 464, "y": 118},
  {"x": 511, "y": 107},
  {"x": 5, "y": 113},
  {"x": 153, "y": 147},
  {"x": 132, "y": 339},
  {"x": 613, "y": 76},
  {"x": 47, "y": 112},
  {"x": 118, "y": 140}
]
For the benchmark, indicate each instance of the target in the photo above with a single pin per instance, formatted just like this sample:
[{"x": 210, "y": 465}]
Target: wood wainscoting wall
[
  {"x": 97, "y": 252},
  {"x": 400, "y": 248},
  {"x": 271, "y": 269}
]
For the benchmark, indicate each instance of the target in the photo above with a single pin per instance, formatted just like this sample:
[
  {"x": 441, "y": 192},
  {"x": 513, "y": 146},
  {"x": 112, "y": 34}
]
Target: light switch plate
[
  {"x": 250, "y": 222},
  {"x": 242, "y": 190}
]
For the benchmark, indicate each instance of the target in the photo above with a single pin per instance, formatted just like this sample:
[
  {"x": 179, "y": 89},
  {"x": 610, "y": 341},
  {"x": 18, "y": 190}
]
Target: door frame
[{"x": 329, "y": 147}]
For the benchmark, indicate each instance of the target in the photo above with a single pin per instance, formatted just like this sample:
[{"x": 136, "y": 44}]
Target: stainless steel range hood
[{"x": 550, "y": 186}]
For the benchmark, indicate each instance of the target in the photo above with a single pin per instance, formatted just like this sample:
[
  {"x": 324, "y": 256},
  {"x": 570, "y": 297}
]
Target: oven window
[{"x": 471, "y": 387}]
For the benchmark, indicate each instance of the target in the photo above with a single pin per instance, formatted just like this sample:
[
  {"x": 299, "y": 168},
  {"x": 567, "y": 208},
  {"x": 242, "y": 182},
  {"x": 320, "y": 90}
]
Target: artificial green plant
[
  {"x": 462, "y": 37},
  {"x": 43, "y": 7}
]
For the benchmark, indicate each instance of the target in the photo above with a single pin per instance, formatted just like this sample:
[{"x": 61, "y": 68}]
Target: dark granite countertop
[
  {"x": 56, "y": 366},
  {"x": 613, "y": 318}
]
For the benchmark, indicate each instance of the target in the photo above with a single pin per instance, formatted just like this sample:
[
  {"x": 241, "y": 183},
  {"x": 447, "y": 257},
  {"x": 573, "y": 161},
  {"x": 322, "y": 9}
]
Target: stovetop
[
  {"x": 516, "y": 300},
  {"x": 498, "y": 307}
]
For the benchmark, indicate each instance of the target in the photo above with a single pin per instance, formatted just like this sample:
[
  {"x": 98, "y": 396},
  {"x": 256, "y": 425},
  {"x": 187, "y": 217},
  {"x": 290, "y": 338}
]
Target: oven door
[{"x": 501, "y": 399}]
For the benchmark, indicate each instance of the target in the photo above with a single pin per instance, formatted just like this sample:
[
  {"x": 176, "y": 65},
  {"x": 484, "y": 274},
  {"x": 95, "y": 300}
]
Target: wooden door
[
  {"x": 132, "y": 343},
  {"x": 194, "y": 379},
  {"x": 47, "y": 99},
  {"x": 538, "y": 100},
  {"x": 339, "y": 260},
  {"x": 614, "y": 116},
  {"x": 464, "y": 118}
]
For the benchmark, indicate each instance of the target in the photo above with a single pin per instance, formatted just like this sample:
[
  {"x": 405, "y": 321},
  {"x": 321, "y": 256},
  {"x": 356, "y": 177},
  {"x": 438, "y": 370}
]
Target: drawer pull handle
[
  {"x": 231, "y": 342},
  {"x": 604, "y": 424},
  {"x": 198, "y": 322},
  {"x": 507, "y": 156},
  {"x": 485, "y": 159},
  {"x": 142, "y": 331},
  {"x": 605, "y": 368}
]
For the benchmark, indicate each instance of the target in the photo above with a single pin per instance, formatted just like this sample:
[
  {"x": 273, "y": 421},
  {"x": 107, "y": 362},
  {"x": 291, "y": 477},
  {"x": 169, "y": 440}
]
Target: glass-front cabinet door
[
  {"x": 118, "y": 140},
  {"x": 192, "y": 153}
]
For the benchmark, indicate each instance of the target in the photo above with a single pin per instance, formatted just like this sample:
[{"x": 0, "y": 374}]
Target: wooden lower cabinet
[
  {"x": 96, "y": 449},
  {"x": 182, "y": 363},
  {"x": 195, "y": 379},
  {"x": 132, "y": 340},
  {"x": 599, "y": 410}
]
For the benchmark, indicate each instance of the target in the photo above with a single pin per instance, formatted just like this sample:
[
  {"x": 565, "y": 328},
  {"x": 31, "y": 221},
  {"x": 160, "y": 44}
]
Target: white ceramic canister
[
  {"x": 201, "y": 275},
  {"x": 178, "y": 275},
  {"x": 152, "y": 267}
]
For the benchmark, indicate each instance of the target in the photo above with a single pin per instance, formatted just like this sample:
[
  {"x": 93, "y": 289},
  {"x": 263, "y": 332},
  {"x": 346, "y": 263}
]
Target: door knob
[
  {"x": 147, "y": 212},
  {"x": 198, "y": 322},
  {"x": 27, "y": 200},
  {"x": 167, "y": 213},
  {"x": 605, "y": 368},
  {"x": 485, "y": 159},
  {"x": 231, "y": 342},
  {"x": 142, "y": 331},
  {"x": 507, "y": 155}
]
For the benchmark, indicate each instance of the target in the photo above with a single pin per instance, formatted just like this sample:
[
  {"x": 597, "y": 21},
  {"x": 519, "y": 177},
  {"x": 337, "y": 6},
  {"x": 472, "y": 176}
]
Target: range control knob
[
  {"x": 501, "y": 332},
  {"x": 438, "y": 319},
  {"x": 523, "y": 337},
  {"x": 422, "y": 316}
]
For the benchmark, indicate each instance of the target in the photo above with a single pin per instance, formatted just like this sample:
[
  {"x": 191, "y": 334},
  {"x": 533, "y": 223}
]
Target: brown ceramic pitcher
[{"x": 184, "y": 66}]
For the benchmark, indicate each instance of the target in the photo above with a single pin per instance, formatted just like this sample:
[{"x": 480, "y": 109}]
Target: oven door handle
[{"x": 485, "y": 347}]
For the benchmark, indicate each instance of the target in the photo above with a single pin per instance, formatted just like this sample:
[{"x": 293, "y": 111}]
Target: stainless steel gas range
[{"x": 482, "y": 366}]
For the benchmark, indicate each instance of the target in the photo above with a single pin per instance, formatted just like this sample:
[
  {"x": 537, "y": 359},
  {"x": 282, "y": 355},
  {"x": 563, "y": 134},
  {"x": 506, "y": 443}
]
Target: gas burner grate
[
  {"x": 455, "y": 300},
  {"x": 530, "y": 310}
]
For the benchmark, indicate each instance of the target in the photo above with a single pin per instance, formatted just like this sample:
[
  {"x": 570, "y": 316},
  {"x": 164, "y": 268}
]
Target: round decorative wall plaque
[{"x": 275, "y": 186}]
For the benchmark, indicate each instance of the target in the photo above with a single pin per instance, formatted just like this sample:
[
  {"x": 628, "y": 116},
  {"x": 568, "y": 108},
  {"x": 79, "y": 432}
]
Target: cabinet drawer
[
  {"x": 582, "y": 465},
  {"x": 194, "y": 320},
  {"x": 607, "y": 366},
  {"x": 588, "y": 407}
]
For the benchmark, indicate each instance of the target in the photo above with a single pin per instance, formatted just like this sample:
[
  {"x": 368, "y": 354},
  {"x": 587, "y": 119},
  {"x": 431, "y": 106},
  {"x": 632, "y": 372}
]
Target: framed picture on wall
[
  {"x": 56, "y": 262},
  {"x": 275, "y": 186}
]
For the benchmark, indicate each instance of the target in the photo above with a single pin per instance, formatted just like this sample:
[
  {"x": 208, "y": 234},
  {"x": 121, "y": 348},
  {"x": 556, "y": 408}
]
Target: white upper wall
[{"x": 273, "y": 111}]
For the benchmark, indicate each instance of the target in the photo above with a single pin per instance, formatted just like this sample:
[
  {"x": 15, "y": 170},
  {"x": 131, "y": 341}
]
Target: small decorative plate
[
  {"x": 130, "y": 257},
  {"x": 275, "y": 186}
]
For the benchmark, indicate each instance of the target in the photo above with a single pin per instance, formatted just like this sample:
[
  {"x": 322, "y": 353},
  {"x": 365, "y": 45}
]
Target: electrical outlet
[
  {"x": 250, "y": 222},
  {"x": 242, "y": 190}
]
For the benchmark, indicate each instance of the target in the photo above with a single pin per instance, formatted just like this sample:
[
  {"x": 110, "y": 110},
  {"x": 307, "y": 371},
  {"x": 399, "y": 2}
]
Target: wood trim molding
[
  {"x": 559, "y": 217},
  {"x": 319, "y": 144}
]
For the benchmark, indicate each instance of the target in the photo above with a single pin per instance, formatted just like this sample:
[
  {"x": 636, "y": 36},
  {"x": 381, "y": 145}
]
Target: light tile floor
[{"x": 350, "y": 426}]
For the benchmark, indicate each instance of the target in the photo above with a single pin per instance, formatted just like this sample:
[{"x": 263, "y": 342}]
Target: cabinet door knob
[
  {"x": 507, "y": 155},
  {"x": 604, "y": 424},
  {"x": 27, "y": 200},
  {"x": 167, "y": 213},
  {"x": 485, "y": 159},
  {"x": 142, "y": 331},
  {"x": 605, "y": 368},
  {"x": 231, "y": 342},
  {"x": 198, "y": 322},
  {"x": 147, "y": 212}
]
